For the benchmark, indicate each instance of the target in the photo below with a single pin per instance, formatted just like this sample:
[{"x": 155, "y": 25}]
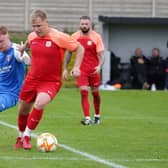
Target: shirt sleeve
[
  {"x": 26, "y": 58},
  {"x": 21, "y": 58},
  {"x": 64, "y": 41},
  {"x": 99, "y": 44},
  {"x": 76, "y": 35}
]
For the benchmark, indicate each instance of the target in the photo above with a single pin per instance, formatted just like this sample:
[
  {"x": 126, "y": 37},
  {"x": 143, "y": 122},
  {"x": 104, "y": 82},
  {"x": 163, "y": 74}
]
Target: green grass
[
  {"x": 133, "y": 133},
  {"x": 18, "y": 37}
]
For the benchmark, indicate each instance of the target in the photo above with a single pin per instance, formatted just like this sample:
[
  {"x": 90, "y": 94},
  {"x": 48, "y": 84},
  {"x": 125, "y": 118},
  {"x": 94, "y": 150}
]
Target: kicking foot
[
  {"x": 86, "y": 121},
  {"x": 26, "y": 142},
  {"x": 19, "y": 143}
]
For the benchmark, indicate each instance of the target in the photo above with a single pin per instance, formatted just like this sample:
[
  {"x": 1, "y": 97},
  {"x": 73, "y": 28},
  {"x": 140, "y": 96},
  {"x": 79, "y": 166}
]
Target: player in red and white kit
[
  {"x": 90, "y": 68},
  {"x": 43, "y": 81}
]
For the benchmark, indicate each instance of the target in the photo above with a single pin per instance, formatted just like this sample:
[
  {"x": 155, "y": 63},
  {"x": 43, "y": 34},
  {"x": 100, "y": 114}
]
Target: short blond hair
[{"x": 38, "y": 13}]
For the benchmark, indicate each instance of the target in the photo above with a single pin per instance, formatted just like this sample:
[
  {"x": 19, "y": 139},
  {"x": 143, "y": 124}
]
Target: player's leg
[
  {"x": 7, "y": 101},
  {"x": 36, "y": 114},
  {"x": 27, "y": 97},
  {"x": 94, "y": 82},
  {"x": 45, "y": 93},
  {"x": 34, "y": 117},
  {"x": 82, "y": 83},
  {"x": 23, "y": 113},
  {"x": 85, "y": 105},
  {"x": 96, "y": 102}
]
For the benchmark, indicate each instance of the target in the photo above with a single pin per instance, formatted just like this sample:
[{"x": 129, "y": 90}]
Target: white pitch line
[
  {"x": 140, "y": 160},
  {"x": 41, "y": 158},
  {"x": 85, "y": 154},
  {"x": 78, "y": 159}
]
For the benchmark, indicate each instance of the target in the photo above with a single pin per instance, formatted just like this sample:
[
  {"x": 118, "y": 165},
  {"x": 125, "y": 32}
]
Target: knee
[
  {"x": 95, "y": 93},
  {"x": 84, "y": 92},
  {"x": 24, "y": 108},
  {"x": 42, "y": 100},
  {"x": 39, "y": 105}
]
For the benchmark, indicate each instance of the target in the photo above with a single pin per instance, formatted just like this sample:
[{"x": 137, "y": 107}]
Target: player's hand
[
  {"x": 21, "y": 48},
  {"x": 65, "y": 74},
  {"x": 75, "y": 72},
  {"x": 97, "y": 69}
]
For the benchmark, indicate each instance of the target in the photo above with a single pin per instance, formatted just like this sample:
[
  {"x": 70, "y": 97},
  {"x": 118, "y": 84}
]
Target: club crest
[
  {"x": 8, "y": 58},
  {"x": 89, "y": 43},
  {"x": 48, "y": 43}
]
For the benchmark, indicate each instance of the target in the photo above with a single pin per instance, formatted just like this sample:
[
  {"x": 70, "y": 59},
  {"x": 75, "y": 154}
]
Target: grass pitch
[{"x": 133, "y": 132}]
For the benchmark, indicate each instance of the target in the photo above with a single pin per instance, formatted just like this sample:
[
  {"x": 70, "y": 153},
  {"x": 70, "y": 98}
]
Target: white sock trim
[
  {"x": 21, "y": 134},
  {"x": 28, "y": 132},
  {"x": 97, "y": 115},
  {"x": 88, "y": 117}
]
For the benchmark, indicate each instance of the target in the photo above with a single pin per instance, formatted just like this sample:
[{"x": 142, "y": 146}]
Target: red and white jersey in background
[{"x": 92, "y": 44}]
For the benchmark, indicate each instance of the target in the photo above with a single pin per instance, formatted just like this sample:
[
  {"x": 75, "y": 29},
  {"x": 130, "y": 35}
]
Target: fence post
[
  {"x": 153, "y": 8},
  {"x": 91, "y": 9},
  {"x": 26, "y": 16}
]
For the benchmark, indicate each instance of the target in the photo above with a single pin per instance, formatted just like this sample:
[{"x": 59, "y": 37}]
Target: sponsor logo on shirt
[
  {"x": 89, "y": 43},
  {"x": 5, "y": 69},
  {"x": 48, "y": 44}
]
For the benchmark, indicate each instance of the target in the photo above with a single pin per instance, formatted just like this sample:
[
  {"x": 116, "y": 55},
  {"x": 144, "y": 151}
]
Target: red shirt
[
  {"x": 47, "y": 55},
  {"x": 92, "y": 44}
]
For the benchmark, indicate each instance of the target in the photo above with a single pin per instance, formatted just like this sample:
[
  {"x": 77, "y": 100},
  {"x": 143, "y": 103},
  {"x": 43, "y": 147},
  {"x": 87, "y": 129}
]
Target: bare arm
[
  {"x": 75, "y": 72},
  {"x": 79, "y": 56},
  {"x": 67, "y": 60},
  {"x": 101, "y": 58}
]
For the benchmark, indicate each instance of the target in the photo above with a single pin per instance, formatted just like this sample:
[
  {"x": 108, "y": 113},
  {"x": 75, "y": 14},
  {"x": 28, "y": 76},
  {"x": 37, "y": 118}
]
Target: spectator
[
  {"x": 139, "y": 70},
  {"x": 166, "y": 74},
  {"x": 123, "y": 78},
  {"x": 156, "y": 70}
]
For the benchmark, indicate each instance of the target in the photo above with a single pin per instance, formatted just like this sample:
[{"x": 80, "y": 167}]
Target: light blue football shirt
[{"x": 11, "y": 71}]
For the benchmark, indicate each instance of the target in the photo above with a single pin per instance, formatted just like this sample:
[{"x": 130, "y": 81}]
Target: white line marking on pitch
[
  {"x": 140, "y": 160},
  {"x": 42, "y": 158},
  {"x": 85, "y": 154},
  {"x": 78, "y": 159}
]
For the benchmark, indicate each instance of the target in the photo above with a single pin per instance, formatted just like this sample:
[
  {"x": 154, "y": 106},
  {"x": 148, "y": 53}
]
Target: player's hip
[
  {"x": 85, "y": 79},
  {"x": 31, "y": 88}
]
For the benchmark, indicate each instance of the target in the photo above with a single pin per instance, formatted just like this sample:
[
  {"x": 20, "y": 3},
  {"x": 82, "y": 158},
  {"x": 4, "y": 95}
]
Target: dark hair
[
  {"x": 85, "y": 17},
  {"x": 3, "y": 30},
  {"x": 157, "y": 49}
]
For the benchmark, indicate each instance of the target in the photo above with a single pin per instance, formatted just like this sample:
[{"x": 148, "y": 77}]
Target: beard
[{"x": 85, "y": 30}]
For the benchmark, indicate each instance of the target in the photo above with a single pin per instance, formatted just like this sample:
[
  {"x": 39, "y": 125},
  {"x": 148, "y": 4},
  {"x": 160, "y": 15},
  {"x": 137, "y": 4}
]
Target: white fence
[{"x": 64, "y": 14}]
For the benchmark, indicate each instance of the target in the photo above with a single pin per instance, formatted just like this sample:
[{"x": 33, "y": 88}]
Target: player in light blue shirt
[{"x": 12, "y": 70}]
